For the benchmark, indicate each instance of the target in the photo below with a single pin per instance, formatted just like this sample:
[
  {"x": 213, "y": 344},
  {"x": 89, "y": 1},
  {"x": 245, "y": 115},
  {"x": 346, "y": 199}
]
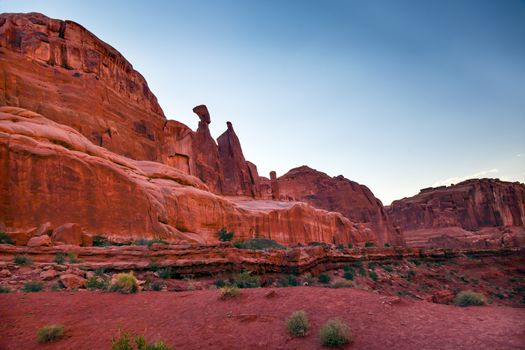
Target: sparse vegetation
[
  {"x": 350, "y": 245},
  {"x": 4, "y": 290},
  {"x": 157, "y": 286},
  {"x": 32, "y": 286},
  {"x": 349, "y": 275},
  {"x": 373, "y": 275},
  {"x": 5, "y": 239},
  {"x": 219, "y": 283},
  {"x": 410, "y": 275},
  {"x": 125, "y": 342},
  {"x": 150, "y": 242},
  {"x": 387, "y": 245},
  {"x": 224, "y": 235},
  {"x": 97, "y": 282},
  {"x": 469, "y": 298},
  {"x": 22, "y": 260},
  {"x": 342, "y": 284},
  {"x": 73, "y": 259},
  {"x": 230, "y": 292},
  {"x": 258, "y": 244},
  {"x": 124, "y": 283},
  {"x": 335, "y": 333},
  {"x": 288, "y": 281},
  {"x": 245, "y": 279},
  {"x": 415, "y": 262},
  {"x": 369, "y": 244},
  {"x": 50, "y": 333},
  {"x": 165, "y": 272},
  {"x": 298, "y": 324},
  {"x": 100, "y": 241},
  {"x": 340, "y": 246},
  {"x": 60, "y": 258},
  {"x": 324, "y": 278}
]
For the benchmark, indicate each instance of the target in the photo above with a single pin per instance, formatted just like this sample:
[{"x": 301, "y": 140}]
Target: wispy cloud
[
  {"x": 456, "y": 179},
  {"x": 519, "y": 155}
]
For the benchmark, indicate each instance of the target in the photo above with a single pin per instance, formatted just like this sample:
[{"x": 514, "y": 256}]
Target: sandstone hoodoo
[
  {"x": 339, "y": 194},
  {"x": 477, "y": 212}
]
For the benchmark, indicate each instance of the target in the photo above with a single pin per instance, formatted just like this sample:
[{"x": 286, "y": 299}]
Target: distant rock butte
[
  {"x": 354, "y": 201},
  {"x": 473, "y": 213}
]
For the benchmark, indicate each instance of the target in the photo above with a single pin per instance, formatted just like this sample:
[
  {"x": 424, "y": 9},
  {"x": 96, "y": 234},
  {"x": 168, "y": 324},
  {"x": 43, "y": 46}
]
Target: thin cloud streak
[{"x": 457, "y": 179}]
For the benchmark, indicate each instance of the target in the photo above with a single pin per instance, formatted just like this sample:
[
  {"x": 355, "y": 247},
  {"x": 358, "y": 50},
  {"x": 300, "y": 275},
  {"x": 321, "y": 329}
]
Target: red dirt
[{"x": 199, "y": 320}]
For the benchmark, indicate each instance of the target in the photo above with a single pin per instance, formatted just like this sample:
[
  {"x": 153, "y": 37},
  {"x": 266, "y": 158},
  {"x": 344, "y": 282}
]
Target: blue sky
[{"x": 397, "y": 95}]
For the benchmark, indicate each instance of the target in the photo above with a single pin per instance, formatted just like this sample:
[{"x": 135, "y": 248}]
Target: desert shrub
[
  {"x": 59, "y": 258},
  {"x": 324, "y": 278},
  {"x": 348, "y": 268},
  {"x": 225, "y": 236},
  {"x": 410, "y": 275},
  {"x": 358, "y": 264},
  {"x": 350, "y": 245},
  {"x": 415, "y": 262},
  {"x": 219, "y": 283},
  {"x": 100, "y": 241},
  {"x": 22, "y": 260},
  {"x": 157, "y": 286},
  {"x": 149, "y": 242},
  {"x": 229, "y": 292},
  {"x": 349, "y": 275},
  {"x": 373, "y": 275},
  {"x": 50, "y": 333},
  {"x": 340, "y": 246},
  {"x": 387, "y": 245},
  {"x": 32, "y": 286},
  {"x": 124, "y": 283},
  {"x": 469, "y": 298},
  {"x": 258, "y": 244},
  {"x": 298, "y": 324},
  {"x": 124, "y": 342},
  {"x": 97, "y": 282},
  {"x": 308, "y": 278},
  {"x": 362, "y": 271},
  {"x": 342, "y": 284},
  {"x": 388, "y": 268},
  {"x": 335, "y": 333},
  {"x": 288, "y": 281},
  {"x": 57, "y": 286},
  {"x": 73, "y": 259},
  {"x": 498, "y": 295},
  {"x": 372, "y": 266},
  {"x": 245, "y": 279},
  {"x": 164, "y": 273},
  {"x": 369, "y": 244},
  {"x": 5, "y": 239},
  {"x": 4, "y": 290}
]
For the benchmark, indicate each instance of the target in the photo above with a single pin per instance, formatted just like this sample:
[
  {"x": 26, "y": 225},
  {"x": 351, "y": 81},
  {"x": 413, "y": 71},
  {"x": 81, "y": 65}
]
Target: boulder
[
  {"x": 44, "y": 229},
  {"x": 48, "y": 275},
  {"x": 72, "y": 234},
  {"x": 71, "y": 281},
  {"x": 40, "y": 241}
]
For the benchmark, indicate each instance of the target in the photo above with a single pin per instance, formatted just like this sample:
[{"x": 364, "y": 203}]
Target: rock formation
[
  {"x": 349, "y": 198},
  {"x": 239, "y": 177},
  {"x": 478, "y": 212},
  {"x": 51, "y": 173}
]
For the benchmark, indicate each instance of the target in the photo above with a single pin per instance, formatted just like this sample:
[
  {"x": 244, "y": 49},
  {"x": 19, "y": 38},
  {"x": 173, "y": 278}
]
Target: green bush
[
  {"x": 324, "y": 278},
  {"x": 369, "y": 244},
  {"x": 258, "y": 244},
  {"x": 335, "y": 333},
  {"x": 349, "y": 275},
  {"x": 225, "y": 236},
  {"x": 388, "y": 268},
  {"x": 125, "y": 283},
  {"x": 157, "y": 286},
  {"x": 415, "y": 262},
  {"x": 387, "y": 245},
  {"x": 298, "y": 324},
  {"x": 342, "y": 284},
  {"x": 22, "y": 260},
  {"x": 219, "y": 283},
  {"x": 32, "y": 286},
  {"x": 73, "y": 259},
  {"x": 340, "y": 246},
  {"x": 362, "y": 271},
  {"x": 469, "y": 298},
  {"x": 230, "y": 292},
  {"x": 100, "y": 241},
  {"x": 97, "y": 282},
  {"x": 246, "y": 280},
  {"x": 288, "y": 281},
  {"x": 5, "y": 239},
  {"x": 350, "y": 245},
  {"x": 165, "y": 272},
  {"x": 50, "y": 333},
  {"x": 358, "y": 264},
  {"x": 410, "y": 275},
  {"x": 124, "y": 342},
  {"x": 59, "y": 258},
  {"x": 373, "y": 275},
  {"x": 4, "y": 290}
]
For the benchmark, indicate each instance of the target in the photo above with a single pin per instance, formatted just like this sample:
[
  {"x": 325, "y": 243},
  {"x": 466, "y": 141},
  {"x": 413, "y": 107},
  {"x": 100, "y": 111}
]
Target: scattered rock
[
  {"x": 48, "y": 275},
  {"x": 71, "y": 281},
  {"x": 443, "y": 297},
  {"x": 5, "y": 273},
  {"x": 40, "y": 241}
]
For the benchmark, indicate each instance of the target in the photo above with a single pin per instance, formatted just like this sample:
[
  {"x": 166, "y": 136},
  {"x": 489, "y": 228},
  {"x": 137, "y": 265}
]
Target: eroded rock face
[
  {"x": 239, "y": 177},
  {"x": 339, "y": 194},
  {"x": 478, "y": 212},
  {"x": 105, "y": 193},
  {"x": 60, "y": 69}
]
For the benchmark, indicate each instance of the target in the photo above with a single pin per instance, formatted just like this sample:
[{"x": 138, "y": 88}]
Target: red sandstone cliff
[
  {"x": 339, "y": 194},
  {"x": 479, "y": 212}
]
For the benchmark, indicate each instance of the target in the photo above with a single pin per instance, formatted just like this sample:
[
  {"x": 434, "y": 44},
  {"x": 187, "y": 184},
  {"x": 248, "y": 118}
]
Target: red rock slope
[
  {"x": 49, "y": 172},
  {"x": 339, "y": 194},
  {"x": 478, "y": 212}
]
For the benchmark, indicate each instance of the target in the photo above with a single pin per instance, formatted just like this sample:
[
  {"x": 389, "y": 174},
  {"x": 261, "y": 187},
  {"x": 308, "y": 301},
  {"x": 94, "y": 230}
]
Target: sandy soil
[{"x": 199, "y": 320}]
